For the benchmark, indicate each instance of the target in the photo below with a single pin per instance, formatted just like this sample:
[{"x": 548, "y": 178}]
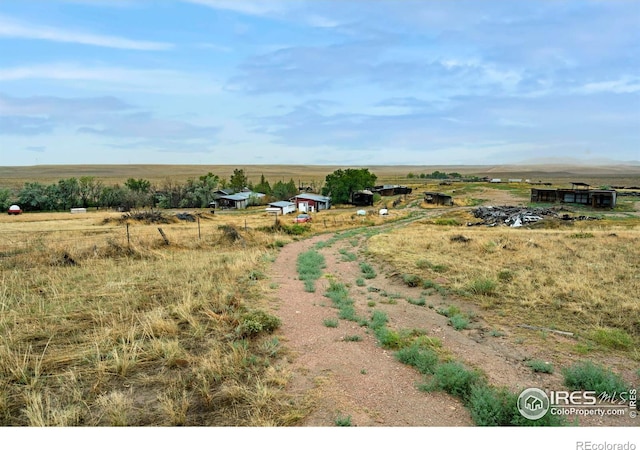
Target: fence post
[
  {"x": 245, "y": 224},
  {"x": 199, "y": 234},
  {"x": 164, "y": 236},
  {"x": 128, "y": 237}
]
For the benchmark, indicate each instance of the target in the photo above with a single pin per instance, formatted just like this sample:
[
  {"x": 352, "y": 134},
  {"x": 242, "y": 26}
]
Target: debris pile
[{"x": 513, "y": 216}]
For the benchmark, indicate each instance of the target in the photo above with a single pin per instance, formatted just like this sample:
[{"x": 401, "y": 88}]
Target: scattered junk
[
  {"x": 384, "y": 212},
  {"x": 513, "y": 216},
  {"x": 186, "y": 217},
  {"x": 518, "y": 216},
  {"x": 78, "y": 210},
  {"x": 361, "y": 212},
  {"x": 14, "y": 210},
  {"x": 437, "y": 198}
]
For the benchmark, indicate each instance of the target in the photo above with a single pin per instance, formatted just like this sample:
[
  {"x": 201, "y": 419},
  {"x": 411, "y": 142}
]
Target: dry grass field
[{"x": 106, "y": 324}]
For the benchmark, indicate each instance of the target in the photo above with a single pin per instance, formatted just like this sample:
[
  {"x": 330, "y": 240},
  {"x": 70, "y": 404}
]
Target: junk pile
[{"x": 513, "y": 216}]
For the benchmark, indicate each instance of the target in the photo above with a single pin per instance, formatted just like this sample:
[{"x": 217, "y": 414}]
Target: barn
[{"x": 311, "y": 202}]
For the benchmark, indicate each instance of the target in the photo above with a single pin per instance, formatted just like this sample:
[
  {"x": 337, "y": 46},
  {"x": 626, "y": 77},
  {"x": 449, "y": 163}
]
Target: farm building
[
  {"x": 362, "y": 198},
  {"x": 580, "y": 193},
  {"x": 311, "y": 202},
  {"x": 391, "y": 189},
  {"x": 281, "y": 207},
  {"x": 438, "y": 198},
  {"x": 239, "y": 200}
]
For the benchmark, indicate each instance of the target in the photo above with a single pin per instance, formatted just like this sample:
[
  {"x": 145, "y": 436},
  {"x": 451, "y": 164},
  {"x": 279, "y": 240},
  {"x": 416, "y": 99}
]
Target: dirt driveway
[{"x": 342, "y": 376}]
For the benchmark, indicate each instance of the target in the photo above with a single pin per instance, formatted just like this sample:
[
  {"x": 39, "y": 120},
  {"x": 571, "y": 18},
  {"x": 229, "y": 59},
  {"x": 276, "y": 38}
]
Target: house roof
[
  {"x": 364, "y": 191},
  {"x": 282, "y": 204},
  {"x": 315, "y": 197},
  {"x": 235, "y": 197}
]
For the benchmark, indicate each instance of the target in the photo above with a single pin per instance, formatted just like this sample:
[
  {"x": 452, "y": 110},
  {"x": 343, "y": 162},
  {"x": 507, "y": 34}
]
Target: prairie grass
[
  {"x": 538, "y": 277},
  {"x": 154, "y": 335}
]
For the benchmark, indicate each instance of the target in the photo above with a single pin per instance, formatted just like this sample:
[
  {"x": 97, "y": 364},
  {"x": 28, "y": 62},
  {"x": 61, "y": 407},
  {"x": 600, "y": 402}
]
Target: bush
[
  {"x": 330, "y": 322},
  {"x": 411, "y": 280},
  {"x": 540, "y": 366},
  {"x": 423, "y": 359},
  {"x": 459, "y": 322},
  {"x": 360, "y": 282},
  {"x": 367, "y": 271},
  {"x": 491, "y": 407},
  {"x": 455, "y": 379},
  {"x": 591, "y": 377},
  {"x": 257, "y": 321}
]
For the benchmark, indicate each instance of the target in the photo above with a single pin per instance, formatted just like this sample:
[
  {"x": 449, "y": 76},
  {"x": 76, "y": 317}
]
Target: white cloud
[
  {"x": 254, "y": 8},
  {"x": 11, "y": 28},
  {"x": 117, "y": 78}
]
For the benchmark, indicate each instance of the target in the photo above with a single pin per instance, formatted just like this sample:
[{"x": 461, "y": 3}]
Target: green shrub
[
  {"x": 417, "y": 302},
  {"x": 367, "y": 271},
  {"x": 353, "y": 338},
  {"x": 459, "y": 322},
  {"x": 612, "y": 338},
  {"x": 378, "y": 319},
  {"x": 256, "y": 321},
  {"x": 347, "y": 256},
  {"x": 449, "y": 312},
  {"x": 423, "y": 359},
  {"x": 343, "y": 421},
  {"x": 330, "y": 322},
  {"x": 540, "y": 366},
  {"x": 588, "y": 376},
  {"x": 411, "y": 280},
  {"x": 360, "y": 282},
  {"x": 455, "y": 379},
  {"x": 492, "y": 407}
]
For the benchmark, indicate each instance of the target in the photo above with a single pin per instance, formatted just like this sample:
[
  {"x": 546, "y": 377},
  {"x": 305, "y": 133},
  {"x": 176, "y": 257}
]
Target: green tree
[
  {"x": 112, "y": 196},
  {"x": 68, "y": 193},
  {"x": 140, "y": 185},
  {"x": 5, "y": 199},
  {"x": 90, "y": 190},
  {"x": 34, "y": 196},
  {"x": 341, "y": 183},
  {"x": 263, "y": 187},
  {"x": 238, "y": 180},
  {"x": 284, "y": 191}
]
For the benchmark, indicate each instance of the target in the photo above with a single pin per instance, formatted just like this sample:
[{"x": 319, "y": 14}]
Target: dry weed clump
[
  {"x": 541, "y": 277},
  {"x": 140, "y": 334}
]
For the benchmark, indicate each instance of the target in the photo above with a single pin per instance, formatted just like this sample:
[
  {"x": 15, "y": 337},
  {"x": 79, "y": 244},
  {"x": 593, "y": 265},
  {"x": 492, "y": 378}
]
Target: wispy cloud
[
  {"x": 251, "y": 7},
  {"x": 117, "y": 78},
  {"x": 11, "y": 28}
]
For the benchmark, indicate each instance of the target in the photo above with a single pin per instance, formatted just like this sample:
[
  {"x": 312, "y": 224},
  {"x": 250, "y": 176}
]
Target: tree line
[{"x": 89, "y": 192}]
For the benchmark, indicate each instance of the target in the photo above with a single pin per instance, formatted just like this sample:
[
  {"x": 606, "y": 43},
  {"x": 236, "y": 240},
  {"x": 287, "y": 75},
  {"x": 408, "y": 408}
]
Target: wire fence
[{"x": 196, "y": 232}]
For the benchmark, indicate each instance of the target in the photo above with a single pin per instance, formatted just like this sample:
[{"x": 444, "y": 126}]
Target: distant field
[{"x": 15, "y": 177}]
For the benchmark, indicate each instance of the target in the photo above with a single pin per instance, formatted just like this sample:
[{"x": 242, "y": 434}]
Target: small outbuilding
[
  {"x": 362, "y": 198},
  {"x": 438, "y": 198},
  {"x": 282, "y": 207}
]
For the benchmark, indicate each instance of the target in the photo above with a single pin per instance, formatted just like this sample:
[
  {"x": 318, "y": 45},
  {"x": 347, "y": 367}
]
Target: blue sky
[{"x": 339, "y": 82}]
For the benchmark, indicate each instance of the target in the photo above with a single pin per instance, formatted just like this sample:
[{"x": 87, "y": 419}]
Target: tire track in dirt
[{"x": 357, "y": 379}]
